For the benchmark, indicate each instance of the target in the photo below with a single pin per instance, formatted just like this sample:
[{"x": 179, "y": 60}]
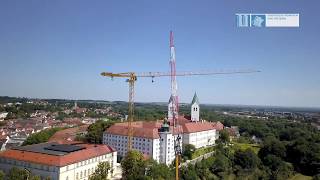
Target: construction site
[
  {"x": 159, "y": 90},
  {"x": 163, "y": 140}
]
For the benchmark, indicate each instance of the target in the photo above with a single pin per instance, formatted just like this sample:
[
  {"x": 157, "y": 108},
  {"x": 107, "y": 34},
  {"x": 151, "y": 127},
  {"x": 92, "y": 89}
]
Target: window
[
  {"x": 67, "y": 178},
  {"x": 77, "y": 176}
]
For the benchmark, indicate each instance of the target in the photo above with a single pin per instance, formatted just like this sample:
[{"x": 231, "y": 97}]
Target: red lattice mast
[{"x": 174, "y": 86}]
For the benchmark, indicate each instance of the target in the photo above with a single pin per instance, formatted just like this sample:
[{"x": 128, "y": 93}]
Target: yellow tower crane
[{"x": 132, "y": 77}]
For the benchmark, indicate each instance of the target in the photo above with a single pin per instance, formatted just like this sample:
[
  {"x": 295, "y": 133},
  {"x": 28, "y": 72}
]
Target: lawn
[
  {"x": 244, "y": 146},
  {"x": 300, "y": 177},
  {"x": 202, "y": 151}
]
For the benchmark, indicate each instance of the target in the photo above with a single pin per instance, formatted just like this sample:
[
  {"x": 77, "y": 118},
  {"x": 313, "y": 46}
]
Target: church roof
[
  {"x": 195, "y": 99},
  {"x": 192, "y": 127}
]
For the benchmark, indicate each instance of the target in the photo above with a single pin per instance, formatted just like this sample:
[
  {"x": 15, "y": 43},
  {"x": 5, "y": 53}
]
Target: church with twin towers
[{"x": 156, "y": 139}]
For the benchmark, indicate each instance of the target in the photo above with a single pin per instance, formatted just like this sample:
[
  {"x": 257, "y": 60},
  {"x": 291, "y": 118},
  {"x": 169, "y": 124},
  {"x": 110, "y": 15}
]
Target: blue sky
[{"x": 57, "y": 49}]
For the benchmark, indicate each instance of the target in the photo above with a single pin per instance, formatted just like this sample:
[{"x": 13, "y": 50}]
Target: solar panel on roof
[
  {"x": 64, "y": 148},
  {"x": 51, "y": 148}
]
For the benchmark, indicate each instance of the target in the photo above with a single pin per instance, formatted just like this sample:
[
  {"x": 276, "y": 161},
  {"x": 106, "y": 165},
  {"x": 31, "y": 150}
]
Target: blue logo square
[{"x": 258, "y": 20}]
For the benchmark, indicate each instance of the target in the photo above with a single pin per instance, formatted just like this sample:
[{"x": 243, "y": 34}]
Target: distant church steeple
[
  {"x": 75, "y": 105},
  {"x": 195, "y": 109}
]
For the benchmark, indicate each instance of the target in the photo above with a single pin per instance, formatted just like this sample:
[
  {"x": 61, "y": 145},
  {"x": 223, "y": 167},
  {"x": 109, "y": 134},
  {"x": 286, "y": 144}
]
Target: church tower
[
  {"x": 195, "y": 109},
  {"x": 167, "y": 153}
]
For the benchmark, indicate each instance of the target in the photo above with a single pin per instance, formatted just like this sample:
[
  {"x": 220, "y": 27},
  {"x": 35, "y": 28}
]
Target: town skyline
[{"x": 165, "y": 103}]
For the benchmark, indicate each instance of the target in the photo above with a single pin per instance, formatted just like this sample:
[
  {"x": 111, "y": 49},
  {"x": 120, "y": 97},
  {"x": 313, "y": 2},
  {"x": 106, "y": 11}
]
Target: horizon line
[{"x": 216, "y": 104}]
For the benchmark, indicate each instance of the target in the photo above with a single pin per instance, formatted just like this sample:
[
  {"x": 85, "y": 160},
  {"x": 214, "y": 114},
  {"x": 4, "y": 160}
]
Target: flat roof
[
  {"x": 56, "y": 154},
  {"x": 50, "y": 148}
]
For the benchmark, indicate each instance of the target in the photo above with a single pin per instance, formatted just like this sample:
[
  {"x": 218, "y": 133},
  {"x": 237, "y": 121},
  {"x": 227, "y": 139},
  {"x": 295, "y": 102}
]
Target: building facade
[
  {"x": 200, "y": 135},
  {"x": 59, "y": 161},
  {"x": 157, "y": 139},
  {"x": 153, "y": 139}
]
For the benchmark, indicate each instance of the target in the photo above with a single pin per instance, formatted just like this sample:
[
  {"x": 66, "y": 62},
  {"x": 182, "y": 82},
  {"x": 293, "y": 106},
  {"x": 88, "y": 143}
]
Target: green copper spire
[{"x": 195, "y": 99}]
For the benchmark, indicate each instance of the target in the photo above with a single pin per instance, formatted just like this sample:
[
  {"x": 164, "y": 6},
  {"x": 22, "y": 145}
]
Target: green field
[
  {"x": 244, "y": 146},
  {"x": 300, "y": 177},
  {"x": 202, "y": 151}
]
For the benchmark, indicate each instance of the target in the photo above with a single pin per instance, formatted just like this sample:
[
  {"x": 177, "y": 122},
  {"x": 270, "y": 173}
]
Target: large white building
[
  {"x": 59, "y": 161},
  {"x": 156, "y": 139}
]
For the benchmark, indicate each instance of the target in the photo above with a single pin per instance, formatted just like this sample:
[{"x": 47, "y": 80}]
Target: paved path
[{"x": 197, "y": 159}]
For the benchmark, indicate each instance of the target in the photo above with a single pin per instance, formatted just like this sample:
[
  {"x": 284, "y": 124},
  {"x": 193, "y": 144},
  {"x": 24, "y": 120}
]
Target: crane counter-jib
[{"x": 183, "y": 73}]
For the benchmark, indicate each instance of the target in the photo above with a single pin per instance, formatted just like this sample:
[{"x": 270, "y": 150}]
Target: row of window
[
  {"x": 123, "y": 148},
  {"x": 28, "y": 165},
  {"x": 85, "y": 173},
  {"x": 88, "y": 161},
  {"x": 125, "y": 137},
  {"x": 123, "y": 143}
]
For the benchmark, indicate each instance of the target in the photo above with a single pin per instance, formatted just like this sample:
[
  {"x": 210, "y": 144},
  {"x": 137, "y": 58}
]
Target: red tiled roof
[
  {"x": 54, "y": 160},
  {"x": 68, "y": 134},
  {"x": 150, "y": 129},
  {"x": 181, "y": 120},
  {"x": 176, "y": 130},
  {"x": 218, "y": 125},
  {"x": 192, "y": 127},
  {"x": 139, "y": 130}
]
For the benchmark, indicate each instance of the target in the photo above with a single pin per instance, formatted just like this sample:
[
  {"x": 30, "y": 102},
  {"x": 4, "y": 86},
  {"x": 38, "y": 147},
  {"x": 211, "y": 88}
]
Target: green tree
[
  {"x": 224, "y": 136},
  {"x": 133, "y": 165},
  {"x": 35, "y": 178},
  {"x": 279, "y": 169},
  {"x": 101, "y": 173},
  {"x": 17, "y": 174},
  {"x": 40, "y": 137},
  {"x": 203, "y": 169},
  {"x": 305, "y": 156},
  {"x": 225, "y": 150},
  {"x": 272, "y": 146},
  {"x": 21, "y": 174},
  {"x": 188, "y": 150},
  {"x": 95, "y": 131},
  {"x": 2, "y": 175},
  {"x": 247, "y": 159},
  {"x": 62, "y": 116},
  {"x": 189, "y": 173},
  {"x": 221, "y": 164},
  {"x": 158, "y": 171}
]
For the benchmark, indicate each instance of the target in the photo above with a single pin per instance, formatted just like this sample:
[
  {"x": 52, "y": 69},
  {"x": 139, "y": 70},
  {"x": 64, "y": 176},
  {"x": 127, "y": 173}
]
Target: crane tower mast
[
  {"x": 174, "y": 103},
  {"x": 174, "y": 106}
]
